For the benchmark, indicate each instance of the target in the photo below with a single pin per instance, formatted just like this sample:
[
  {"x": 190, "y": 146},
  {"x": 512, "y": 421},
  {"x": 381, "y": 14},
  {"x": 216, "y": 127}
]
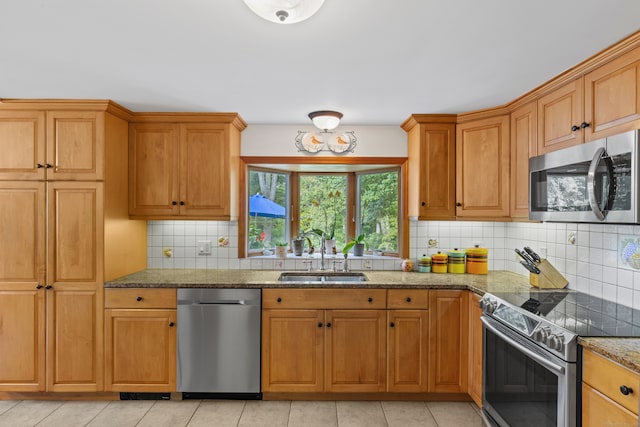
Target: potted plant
[
  {"x": 281, "y": 249},
  {"x": 357, "y": 244},
  {"x": 329, "y": 238}
]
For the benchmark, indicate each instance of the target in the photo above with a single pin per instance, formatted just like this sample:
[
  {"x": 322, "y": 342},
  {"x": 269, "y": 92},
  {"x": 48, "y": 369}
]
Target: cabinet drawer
[
  {"x": 408, "y": 298},
  {"x": 324, "y": 298},
  {"x": 140, "y": 298},
  {"x": 598, "y": 410},
  {"x": 607, "y": 377}
]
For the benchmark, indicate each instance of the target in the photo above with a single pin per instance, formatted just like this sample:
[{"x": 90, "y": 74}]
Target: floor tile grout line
[
  {"x": 244, "y": 405},
  {"x": 99, "y": 412},
  {"x": 384, "y": 413},
  {"x": 193, "y": 413},
  {"x": 61, "y": 402},
  {"x": 16, "y": 402},
  {"x": 148, "y": 410}
]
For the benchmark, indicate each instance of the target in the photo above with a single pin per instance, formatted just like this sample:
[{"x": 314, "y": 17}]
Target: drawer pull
[
  {"x": 279, "y": 299},
  {"x": 319, "y": 324},
  {"x": 139, "y": 299},
  {"x": 171, "y": 324},
  {"x": 328, "y": 324},
  {"x": 408, "y": 299},
  {"x": 626, "y": 390},
  {"x": 370, "y": 299},
  {"x": 392, "y": 324}
]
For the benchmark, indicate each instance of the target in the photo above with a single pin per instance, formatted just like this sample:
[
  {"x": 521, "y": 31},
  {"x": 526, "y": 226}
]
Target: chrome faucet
[{"x": 322, "y": 249}]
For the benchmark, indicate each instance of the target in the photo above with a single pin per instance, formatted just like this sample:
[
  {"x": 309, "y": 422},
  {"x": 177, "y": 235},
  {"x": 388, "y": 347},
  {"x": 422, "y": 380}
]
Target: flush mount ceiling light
[
  {"x": 326, "y": 119},
  {"x": 337, "y": 142},
  {"x": 284, "y": 11}
]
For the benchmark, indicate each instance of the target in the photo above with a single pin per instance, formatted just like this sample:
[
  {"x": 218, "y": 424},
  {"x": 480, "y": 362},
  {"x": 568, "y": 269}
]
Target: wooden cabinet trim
[
  {"x": 324, "y": 298},
  {"x": 140, "y": 298}
]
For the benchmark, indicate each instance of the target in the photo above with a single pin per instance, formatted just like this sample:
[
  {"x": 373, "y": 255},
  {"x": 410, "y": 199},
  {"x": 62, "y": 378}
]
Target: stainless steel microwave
[{"x": 592, "y": 182}]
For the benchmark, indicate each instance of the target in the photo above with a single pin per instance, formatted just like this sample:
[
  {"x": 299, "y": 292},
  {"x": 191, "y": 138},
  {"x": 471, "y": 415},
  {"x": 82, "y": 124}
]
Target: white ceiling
[{"x": 376, "y": 61}]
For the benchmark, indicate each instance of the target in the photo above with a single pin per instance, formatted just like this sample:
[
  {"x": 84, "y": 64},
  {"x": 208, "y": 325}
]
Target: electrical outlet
[
  {"x": 366, "y": 265},
  {"x": 433, "y": 243},
  {"x": 204, "y": 247}
]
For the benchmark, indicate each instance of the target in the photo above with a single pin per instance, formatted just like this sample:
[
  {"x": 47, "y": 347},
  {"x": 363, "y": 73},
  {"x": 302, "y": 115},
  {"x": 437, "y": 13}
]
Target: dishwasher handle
[{"x": 214, "y": 302}]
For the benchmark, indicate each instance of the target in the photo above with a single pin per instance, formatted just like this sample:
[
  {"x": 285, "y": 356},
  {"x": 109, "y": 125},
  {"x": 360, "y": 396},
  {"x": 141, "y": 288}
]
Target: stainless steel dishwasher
[{"x": 219, "y": 343}]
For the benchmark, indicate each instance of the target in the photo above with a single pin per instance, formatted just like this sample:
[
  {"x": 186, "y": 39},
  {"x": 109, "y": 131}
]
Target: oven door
[{"x": 524, "y": 385}]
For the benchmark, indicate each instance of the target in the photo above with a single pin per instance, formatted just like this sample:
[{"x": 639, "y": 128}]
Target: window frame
[{"x": 330, "y": 165}]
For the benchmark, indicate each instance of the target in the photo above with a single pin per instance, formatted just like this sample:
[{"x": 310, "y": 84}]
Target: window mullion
[{"x": 352, "y": 200}]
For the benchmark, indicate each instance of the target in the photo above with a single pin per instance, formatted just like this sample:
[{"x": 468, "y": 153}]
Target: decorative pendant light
[{"x": 284, "y": 11}]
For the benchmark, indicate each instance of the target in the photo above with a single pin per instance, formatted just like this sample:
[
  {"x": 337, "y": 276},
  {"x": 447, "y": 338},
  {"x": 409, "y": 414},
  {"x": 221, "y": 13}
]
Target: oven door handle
[{"x": 541, "y": 360}]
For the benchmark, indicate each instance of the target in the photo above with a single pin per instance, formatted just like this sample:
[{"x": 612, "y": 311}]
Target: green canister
[
  {"x": 424, "y": 264},
  {"x": 456, "y": 263}
]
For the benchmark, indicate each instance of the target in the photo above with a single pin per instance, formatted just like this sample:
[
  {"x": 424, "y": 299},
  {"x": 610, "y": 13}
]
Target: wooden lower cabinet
[
  {"x": 323, "y": 350},
  {"x": 356, "y": 348},
  {"x": 448, "y": 340},
  {"x": 603, "y": 402},
  {"x": 293, "y": 350},
  {"x": 408, "y": 351},
  {"x": 140, "y": 337},
  {"x": 475, "y": 349}
]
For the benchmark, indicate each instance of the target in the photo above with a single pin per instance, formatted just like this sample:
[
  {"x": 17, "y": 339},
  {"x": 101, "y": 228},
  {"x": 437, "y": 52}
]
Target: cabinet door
[
  {"x": 598, "y": 410},
  {"x": 612, "y": 97},
  {"x": 75, "y": 145},
  {"x": 140, "y": 350},
  {"x": 22, "y": 339},
  {"x": 482, "y": 168},
  {"x": 293, "y": 350},
  {"x": 448, "y": 340},
  {"x": 74, "y": 273},
  {"x": 22, "y": 234},
  {"x": 437, "y": 172},
  {"x": 153, "y": 169},
  {"x": 22, "y": 273},
  {"x": 204, "y": 171},
  {"x": 523, "y": 146},
  {"x": 408, "y": 349},
  {"x": 475, "y": 349},
  {"x": 74, "y": 338},
  {"x": 22, "y": 145},
  {"x": 558, "y": 113},
  {"x": 356, "y": 351}
]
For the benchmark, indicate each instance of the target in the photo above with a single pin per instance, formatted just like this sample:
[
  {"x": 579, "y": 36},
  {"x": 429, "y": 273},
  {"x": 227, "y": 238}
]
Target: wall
[
  {"x": 373, "y": 141},
  {"x": 590, "y": 265}
]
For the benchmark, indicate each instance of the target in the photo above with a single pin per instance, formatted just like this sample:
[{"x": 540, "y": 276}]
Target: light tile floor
[{"x": 222, "y": 413}]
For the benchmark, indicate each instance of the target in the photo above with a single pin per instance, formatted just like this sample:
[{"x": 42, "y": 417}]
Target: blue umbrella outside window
[{"x": 261, "y": 206}]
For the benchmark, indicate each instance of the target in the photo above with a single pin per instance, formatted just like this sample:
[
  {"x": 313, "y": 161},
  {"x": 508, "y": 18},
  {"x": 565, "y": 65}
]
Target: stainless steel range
[{"x": 531, "y": 356}]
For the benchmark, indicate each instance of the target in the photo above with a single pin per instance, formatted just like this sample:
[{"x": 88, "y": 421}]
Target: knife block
[{"x": 549, "y": 277}]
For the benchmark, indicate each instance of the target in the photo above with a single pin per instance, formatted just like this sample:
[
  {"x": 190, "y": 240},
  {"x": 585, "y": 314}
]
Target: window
[{"x": 341, "y": 204}]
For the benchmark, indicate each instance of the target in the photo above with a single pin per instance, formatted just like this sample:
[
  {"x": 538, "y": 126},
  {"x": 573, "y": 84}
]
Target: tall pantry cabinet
[{"x": 64, "y": 231}]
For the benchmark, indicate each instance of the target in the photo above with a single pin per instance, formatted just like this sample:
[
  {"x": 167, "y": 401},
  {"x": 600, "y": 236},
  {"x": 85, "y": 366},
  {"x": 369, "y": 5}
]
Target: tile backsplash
[{"x": 591, "y": 263}]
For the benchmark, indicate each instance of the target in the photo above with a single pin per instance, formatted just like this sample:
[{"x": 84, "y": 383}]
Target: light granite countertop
[
  {"x": 495, "y": 281},
  {"x": 625, "y": 351}
]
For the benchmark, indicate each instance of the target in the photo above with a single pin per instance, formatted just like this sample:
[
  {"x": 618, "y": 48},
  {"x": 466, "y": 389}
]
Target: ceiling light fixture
[
  {"x": 325, "y": 120},
  {"x": 326, "y": 140},
  {"x": 284, "y": 11}
]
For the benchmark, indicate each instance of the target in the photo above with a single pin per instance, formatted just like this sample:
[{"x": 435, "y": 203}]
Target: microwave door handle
[{"x": 591, "y": 184}]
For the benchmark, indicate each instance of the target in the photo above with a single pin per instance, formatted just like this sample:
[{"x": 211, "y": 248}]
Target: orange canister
[
  {"x": 477, "y": 260},
  {"x": 456, "y": 261},
  {"x": 439, "y": 263}
]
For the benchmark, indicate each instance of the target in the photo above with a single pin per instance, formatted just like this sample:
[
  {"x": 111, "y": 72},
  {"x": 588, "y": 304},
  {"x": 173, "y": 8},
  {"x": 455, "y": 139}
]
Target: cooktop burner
[{"x": 582, "y": 314}]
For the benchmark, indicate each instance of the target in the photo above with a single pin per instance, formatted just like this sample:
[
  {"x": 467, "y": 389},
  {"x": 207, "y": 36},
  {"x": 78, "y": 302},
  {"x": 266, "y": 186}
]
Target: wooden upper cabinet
[
  {"x": 523, "y": 145},
  {"x": 184, "y": 170},
  {"x": 56, "y": 145},
  {"x": 612, "y": 97},
  {"x": 560, "y": 118},
  {"x": 153, "y": 169},
  {"x": 482, "y": 168},
  {"x": 431, "y": 186},
  {"x": 204, "y": 170},
  {"x": 75, "y": 145},
  {"x": 22, "y": 136}
]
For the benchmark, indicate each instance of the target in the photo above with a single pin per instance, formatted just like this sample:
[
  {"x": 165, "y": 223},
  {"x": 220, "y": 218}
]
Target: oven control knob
[
  {"x": 556, "y": 342},
  {"x": 541, "y": 334},
  {"x": 488, "y": 305}
]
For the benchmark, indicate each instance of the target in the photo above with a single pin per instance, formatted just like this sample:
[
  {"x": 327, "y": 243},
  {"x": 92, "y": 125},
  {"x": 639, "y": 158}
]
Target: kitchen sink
[{"x": 321, "y": 277}]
